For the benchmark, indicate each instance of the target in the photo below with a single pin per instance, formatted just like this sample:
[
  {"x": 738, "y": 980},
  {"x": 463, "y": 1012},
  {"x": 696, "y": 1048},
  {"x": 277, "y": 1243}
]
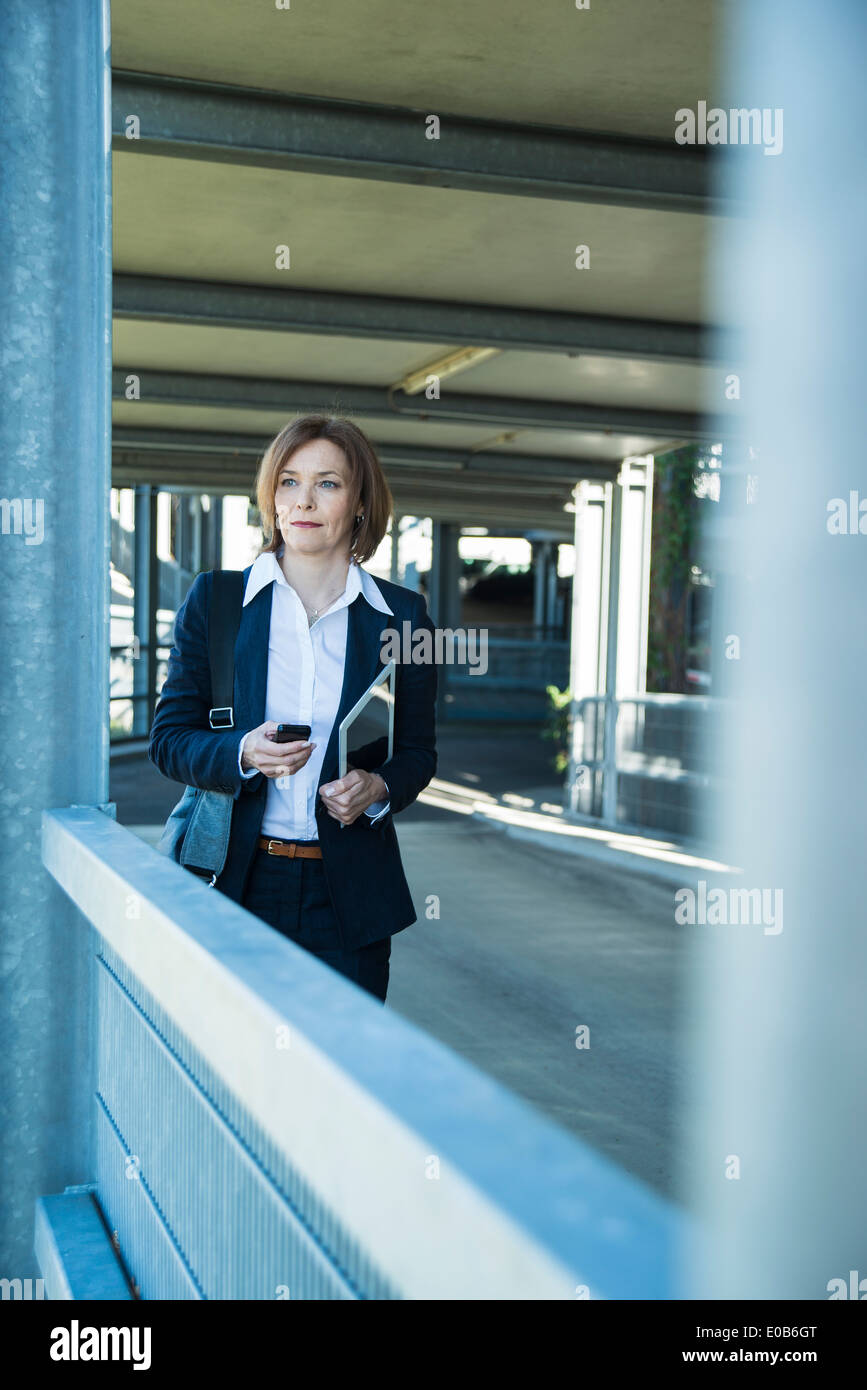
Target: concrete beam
[
  {"x": 215, "y": 392},
  {"x": 215, "y": 304},
  {"x": 193, "y": 444},
  {"x": 480, "y": 506},
  {"x": 238, "y": 125}
]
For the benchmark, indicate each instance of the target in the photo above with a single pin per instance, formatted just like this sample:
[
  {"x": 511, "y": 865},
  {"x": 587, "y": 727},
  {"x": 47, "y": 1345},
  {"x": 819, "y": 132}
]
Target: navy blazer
[{"x": 362, "y": 862}]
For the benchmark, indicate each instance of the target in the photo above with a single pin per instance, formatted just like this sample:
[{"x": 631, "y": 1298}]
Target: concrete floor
[{"x": 530, "y": 943}]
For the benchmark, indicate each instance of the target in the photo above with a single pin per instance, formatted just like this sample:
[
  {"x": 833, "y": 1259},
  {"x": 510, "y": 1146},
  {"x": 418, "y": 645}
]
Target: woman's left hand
[{"x": 349, "y": 797}]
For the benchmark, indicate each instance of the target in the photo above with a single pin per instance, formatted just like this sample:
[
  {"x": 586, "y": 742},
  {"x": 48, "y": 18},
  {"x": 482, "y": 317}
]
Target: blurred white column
[
  {"x": 610, "y": 593},
  {"x": 774, "y": 1136}
]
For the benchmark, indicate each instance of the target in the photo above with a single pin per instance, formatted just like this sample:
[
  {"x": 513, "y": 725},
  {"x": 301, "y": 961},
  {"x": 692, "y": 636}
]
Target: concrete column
[
  {"x": 212, "y": 545},
  {"x": 183, "y": 533},
  {"x": 55, "y": 332},
  {"x": 541, "y": 554},
  {"x": 154, "y": 603},
  {"x": 394, "y": 574},
  {"x": 143, "y": 616},
  {"x": 445, "y": 601},
  {"x": 611, "y": 608},
  {"x": 551, "y": 587},
  {"x": 444, "y": 590},
  {"x": 196, "y": 529},
  {"x": 636, "y": 485},
  {"x": 778, "y": 1046},
  {"x": 207, "y": 533},
  {"x": 592, "y": 529},
  {"x": 589, "y": 632},
  {"x": 212, "y": 535},
  {"x": 610, "y": 613}
]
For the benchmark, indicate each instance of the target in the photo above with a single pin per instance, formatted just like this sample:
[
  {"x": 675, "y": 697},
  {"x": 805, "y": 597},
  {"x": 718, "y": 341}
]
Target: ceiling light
[{"x": 449, "y": 365}]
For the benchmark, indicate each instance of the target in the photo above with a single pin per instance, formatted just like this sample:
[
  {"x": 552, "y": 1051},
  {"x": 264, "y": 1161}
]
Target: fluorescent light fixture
[{"x": 447, "y": 366}]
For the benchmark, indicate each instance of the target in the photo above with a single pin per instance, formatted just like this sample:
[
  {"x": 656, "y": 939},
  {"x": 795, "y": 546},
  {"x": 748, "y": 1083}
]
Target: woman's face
[{"x": 313, "y": 500}]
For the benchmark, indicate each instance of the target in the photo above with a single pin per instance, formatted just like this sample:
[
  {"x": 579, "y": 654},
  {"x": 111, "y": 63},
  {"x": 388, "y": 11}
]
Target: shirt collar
[{"x": 265, "y": 569}]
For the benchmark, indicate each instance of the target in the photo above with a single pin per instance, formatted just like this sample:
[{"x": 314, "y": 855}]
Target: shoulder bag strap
[{"x": 224, "y": 619}]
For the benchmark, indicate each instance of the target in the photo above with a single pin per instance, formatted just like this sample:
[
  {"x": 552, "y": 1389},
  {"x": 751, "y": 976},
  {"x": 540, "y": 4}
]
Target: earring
[{"x": 360, "y": 518}]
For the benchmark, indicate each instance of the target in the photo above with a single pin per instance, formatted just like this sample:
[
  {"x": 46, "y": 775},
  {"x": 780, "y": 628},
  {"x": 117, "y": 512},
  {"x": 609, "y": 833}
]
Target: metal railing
[
  {"x": 266, "y": 1130},
  {"x": 644, "y": 760},
  {"x": 172, "y": 578},
  {"x": 513, "y": 687}
]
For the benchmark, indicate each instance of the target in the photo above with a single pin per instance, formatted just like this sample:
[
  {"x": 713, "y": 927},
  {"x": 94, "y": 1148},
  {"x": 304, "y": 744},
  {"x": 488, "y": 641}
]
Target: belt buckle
[{"x": 291, "y": 848}]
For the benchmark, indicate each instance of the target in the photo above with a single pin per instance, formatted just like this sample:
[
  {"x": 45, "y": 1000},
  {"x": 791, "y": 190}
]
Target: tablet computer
[{"x": 366, "y": 734}]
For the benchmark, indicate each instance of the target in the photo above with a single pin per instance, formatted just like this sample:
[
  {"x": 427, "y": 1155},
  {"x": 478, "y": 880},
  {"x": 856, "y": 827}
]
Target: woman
[{"x": 314, "y": 855}]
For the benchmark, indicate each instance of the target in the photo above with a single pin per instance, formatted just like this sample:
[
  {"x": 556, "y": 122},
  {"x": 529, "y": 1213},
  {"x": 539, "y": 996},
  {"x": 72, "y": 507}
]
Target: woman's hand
[
  {"x": 349, "y": 797},
  {"x": 273, "y": 759}
]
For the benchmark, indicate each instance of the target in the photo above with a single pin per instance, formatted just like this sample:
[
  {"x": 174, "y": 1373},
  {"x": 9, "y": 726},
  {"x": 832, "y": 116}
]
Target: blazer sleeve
[
  {"x": 182, "y": 743},
  {"x": 414, "y": 758}
]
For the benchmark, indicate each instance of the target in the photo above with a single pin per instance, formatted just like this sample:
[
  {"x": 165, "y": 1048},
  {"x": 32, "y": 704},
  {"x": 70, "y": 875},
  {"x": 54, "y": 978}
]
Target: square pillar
[{"x": 55, "y": 379}]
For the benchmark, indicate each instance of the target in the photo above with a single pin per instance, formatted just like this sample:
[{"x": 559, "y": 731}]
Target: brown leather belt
[{"x": 290, "y": 849}]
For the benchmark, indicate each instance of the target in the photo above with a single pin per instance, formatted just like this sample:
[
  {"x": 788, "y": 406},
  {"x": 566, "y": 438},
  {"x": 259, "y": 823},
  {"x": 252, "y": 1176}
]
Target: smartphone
[{"x": 292, "y": 733}]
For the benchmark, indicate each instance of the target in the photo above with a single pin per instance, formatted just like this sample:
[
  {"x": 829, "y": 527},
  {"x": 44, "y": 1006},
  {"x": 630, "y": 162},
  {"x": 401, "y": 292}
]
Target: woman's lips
[{"x": 306, "y": 523}]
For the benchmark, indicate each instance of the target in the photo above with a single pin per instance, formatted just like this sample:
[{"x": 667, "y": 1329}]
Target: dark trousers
[{"x": 291, "y": 895}]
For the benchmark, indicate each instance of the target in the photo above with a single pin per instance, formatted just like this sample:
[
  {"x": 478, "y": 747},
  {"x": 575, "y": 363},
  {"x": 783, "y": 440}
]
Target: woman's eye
[{"x": 325, "y": 482}]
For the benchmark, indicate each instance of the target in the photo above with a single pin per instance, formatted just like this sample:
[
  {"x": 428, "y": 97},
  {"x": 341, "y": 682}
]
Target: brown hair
[{"x": 372, "y": 495}]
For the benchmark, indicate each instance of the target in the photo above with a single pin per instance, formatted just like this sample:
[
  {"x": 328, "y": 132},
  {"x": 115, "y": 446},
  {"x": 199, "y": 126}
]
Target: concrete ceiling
[
  {"x": 186, "y": 213},
  {"x": 211, "y": 221},
  {"x": 622, "y": 67}
]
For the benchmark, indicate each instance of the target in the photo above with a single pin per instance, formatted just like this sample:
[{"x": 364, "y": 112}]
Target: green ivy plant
[
  {"x": 556, "y": 727},
  {"x": 673, "y": 540}
]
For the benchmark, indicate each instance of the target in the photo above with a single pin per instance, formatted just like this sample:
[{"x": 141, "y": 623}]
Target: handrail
[
  {"x": 661, "y": 700},
  {"x": 632, "y": 787},
  {"x": 364, "y": 1105}
]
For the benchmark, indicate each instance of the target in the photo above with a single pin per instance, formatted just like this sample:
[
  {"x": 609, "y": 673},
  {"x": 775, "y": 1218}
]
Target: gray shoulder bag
[{"x": 196, "y": 834}]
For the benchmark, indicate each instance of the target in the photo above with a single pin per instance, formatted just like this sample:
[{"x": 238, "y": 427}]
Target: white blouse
[{"x": 305, "y": 681}]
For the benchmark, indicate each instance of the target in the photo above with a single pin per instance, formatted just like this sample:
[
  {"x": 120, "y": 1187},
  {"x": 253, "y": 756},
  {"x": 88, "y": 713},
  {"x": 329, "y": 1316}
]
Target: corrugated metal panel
[{"x": 175, "y": 1147}]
